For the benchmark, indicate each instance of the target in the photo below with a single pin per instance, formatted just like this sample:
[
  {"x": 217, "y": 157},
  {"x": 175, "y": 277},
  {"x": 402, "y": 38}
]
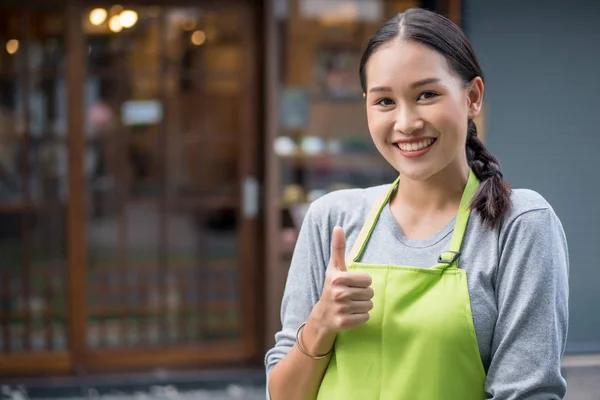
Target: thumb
[{"x": 338, "y": 249}]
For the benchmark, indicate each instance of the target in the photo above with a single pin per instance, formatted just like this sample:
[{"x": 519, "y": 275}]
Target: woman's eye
[
  {"x": 384, "y": 102},
  {"x": 427, "y": 95}
]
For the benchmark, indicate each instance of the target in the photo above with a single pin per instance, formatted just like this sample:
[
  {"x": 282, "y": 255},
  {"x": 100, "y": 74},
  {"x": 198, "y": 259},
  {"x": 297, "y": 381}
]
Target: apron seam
[{"x": 408, "y": 268}]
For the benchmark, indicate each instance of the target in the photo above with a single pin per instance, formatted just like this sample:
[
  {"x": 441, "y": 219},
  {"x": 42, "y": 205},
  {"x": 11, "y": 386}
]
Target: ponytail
[{"x": 492, "y": 200}]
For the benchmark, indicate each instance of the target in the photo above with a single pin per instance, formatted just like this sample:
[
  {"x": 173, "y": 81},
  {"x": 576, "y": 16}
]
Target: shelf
[
  {"x": 206, "y": 202},
  {"x": 317, "y": 98},
  {"x": 35, "y": 73},
  {"x": 188, "y": 201},
  {"x": 11, "y": 207},
  {"x": 350, "y": 161},
  {"x": 119, "y": 311},
  {"x": 113, "y": 73}
]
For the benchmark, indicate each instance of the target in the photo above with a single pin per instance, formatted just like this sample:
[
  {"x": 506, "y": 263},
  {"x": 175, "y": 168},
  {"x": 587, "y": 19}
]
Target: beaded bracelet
[{"x": 304, "y": 351}]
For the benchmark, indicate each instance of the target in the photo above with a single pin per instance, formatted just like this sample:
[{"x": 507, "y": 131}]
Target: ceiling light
[
  {"x": 98, "y": 16},
  {"x": 128, "y": 18},
  {"x": 114, "y": 24},
  {"x": 198, "y": 38},
  {"x": 12, "y": 46}
]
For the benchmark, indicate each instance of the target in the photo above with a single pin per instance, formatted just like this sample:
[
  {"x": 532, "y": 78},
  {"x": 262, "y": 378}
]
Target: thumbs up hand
[
  {"x": 346, "y": 299},
  {"x": 338, "y": 249}
]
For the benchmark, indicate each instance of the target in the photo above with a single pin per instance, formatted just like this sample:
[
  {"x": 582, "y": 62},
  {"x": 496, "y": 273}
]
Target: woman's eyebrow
[
  {"x": 413, "y": 85},
  {"x": 424, "y": 82},
  {"x": 380, "y": 89}
]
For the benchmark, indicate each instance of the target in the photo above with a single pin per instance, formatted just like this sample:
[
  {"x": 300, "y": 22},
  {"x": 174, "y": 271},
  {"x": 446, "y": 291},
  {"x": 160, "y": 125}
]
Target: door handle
[{"x": 250, "y": 197}]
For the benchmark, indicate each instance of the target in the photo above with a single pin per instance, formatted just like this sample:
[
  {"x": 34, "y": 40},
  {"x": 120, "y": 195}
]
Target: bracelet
[{"x": 300, "y": 328}]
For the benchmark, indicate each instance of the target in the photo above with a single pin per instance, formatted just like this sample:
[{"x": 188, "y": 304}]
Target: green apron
[{"x": 419, "y": 343}]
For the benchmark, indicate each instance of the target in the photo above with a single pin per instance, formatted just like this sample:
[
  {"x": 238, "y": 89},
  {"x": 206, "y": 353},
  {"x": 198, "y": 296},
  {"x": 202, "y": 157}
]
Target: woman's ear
[{"x": 475, "y": 97}]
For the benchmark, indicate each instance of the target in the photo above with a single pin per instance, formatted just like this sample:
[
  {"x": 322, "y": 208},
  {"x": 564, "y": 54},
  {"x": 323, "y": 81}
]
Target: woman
[{"x": 453, "y": 286}]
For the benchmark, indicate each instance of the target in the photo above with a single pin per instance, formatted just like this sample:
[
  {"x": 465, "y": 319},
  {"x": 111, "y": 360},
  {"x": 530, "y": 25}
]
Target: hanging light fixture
[
  {"x": 12, "y": 46},
  {"x": 128, "y": 18},
  {"x": 114, "y": 24},
  {"x": 198, "y": 38},
  {"x": 98, "y": 16}
]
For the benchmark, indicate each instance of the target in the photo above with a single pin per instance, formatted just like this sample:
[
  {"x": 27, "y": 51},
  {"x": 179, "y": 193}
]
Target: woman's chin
[{"x": 415, "y": 171}]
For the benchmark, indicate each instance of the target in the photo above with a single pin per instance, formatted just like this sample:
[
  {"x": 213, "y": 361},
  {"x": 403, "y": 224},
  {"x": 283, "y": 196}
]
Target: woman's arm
[
  {"x": 298, "y": 376},
  {"x": 532, "y": 297},
  {"x": 305, "y": 280},
  {"x": 344, "y": 303}
]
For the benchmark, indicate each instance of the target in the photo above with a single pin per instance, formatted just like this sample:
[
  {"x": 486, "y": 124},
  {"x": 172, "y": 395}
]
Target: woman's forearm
[{"x": 297, "y": 376}]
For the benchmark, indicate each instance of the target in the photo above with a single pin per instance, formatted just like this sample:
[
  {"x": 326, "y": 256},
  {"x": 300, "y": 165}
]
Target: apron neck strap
[
  {"x": 464, "y": 211},
  {"x": 450, "y": 258},
  {"x": 367, "y": 228},
  {"x": 462, "y": 217}
]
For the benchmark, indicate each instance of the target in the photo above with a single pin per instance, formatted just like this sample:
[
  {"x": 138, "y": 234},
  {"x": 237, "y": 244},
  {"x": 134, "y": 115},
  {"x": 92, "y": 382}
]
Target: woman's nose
[{"x": 408, "y": 121}]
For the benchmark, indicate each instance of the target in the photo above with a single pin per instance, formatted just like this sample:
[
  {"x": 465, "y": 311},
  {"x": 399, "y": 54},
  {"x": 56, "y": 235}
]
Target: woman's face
[{"x": 418, "y": 109}]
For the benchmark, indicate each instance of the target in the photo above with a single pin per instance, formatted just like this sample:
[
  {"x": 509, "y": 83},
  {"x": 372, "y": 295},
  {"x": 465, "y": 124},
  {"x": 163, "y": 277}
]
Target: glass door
[
  {"x": 34, "y": 192},
  {"x": 169, "y": 163},
  {"x": 128, "y": 197}
]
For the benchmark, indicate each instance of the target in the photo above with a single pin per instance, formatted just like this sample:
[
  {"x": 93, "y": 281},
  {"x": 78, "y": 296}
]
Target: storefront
[{"x": 155, "y": 161}]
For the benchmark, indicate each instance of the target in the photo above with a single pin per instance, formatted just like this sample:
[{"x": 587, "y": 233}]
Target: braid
[{"x": 492, "y": 200}]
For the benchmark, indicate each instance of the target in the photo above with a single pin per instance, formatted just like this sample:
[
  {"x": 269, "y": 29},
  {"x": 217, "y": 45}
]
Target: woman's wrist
[{"x": 316, "y": 338}]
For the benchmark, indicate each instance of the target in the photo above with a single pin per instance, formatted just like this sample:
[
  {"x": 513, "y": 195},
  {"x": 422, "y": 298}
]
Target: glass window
[
  {"x": 33, "y": 181},
  {"x": 323, "y": 143},
  {"x": 164, "y": 89}
]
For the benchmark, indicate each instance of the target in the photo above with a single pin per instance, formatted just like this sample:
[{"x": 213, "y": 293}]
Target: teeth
[{"x": 414, "y": 146}]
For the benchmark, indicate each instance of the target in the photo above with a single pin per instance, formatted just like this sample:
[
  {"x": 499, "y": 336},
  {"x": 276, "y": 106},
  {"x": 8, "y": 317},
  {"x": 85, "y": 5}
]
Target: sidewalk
[{"x": 583, "y": 384}]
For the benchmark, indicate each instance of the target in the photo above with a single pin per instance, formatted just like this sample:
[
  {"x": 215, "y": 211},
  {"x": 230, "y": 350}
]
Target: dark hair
[{"x": 492, "y": 200}]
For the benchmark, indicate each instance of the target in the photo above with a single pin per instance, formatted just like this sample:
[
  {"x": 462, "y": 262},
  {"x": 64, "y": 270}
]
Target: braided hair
[{"x": 492, "y": 199}]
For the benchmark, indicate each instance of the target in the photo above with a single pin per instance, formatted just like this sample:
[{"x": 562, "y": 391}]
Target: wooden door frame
[
  {"x": 246, "y": 349},
  {"x": 78, "y": 358},
  {"x": 60, "y": 362},
  {"x": 76, "y": 209}
]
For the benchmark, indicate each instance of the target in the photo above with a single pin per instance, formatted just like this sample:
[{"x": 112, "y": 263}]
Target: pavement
[
  {"x": 233, "y": 392},
  {"x": 583, "y": 384}
]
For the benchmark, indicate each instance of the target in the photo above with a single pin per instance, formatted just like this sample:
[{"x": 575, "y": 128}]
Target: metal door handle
[{"x": 250, "y": 197}]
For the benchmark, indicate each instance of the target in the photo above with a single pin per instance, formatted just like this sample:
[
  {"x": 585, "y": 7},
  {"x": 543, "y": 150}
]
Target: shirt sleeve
[
  {"x": 532, "y": 298},
  {"x": 304, "y": 282}
]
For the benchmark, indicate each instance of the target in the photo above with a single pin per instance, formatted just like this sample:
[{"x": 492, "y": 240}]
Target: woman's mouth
[{"x": 415, "y": 149}]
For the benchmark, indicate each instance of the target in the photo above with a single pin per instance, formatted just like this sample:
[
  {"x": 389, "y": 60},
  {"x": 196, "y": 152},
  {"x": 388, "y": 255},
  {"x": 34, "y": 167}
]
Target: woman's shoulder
[
  {"x": 344, "y": 204},
  {"x": 530, "y": 208},
  {"x": 525, "y": 200}
]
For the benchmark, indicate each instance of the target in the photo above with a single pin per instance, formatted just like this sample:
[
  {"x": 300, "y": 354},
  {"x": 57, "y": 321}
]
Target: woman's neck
[{"x": 437, "y": 193}]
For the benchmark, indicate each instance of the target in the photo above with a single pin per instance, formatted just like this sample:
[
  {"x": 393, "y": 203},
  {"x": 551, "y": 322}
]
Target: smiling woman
[
  {"x": 435, "y": 85},
  {"x": 453, "y": 286}
]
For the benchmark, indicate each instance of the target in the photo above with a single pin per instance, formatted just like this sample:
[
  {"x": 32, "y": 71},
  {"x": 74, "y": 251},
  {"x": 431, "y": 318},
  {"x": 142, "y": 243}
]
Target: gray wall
[{"x": 542, "y": 65}]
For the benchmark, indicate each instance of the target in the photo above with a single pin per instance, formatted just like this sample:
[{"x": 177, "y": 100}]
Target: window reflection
[
  {"x": 33, "y": 181},
  {"x": 163, "y": 100},
  {"x": 323, "y": 142}
]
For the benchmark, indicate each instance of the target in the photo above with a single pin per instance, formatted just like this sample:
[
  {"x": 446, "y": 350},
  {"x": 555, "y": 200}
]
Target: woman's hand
[{"x": 345, "y": 302}]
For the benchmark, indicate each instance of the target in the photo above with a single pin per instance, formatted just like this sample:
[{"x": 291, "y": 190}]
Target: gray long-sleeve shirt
[{"x": 517, "y": 277}]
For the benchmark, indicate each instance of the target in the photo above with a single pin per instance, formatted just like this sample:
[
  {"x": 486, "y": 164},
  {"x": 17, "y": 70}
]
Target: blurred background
[{"x": 157, "y": 158}]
